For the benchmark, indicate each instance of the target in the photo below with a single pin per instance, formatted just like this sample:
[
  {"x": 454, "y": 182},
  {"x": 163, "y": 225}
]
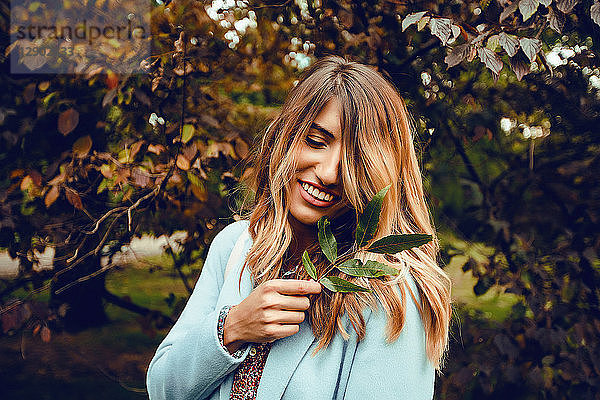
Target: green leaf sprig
[{"x": 368, "y": 222}]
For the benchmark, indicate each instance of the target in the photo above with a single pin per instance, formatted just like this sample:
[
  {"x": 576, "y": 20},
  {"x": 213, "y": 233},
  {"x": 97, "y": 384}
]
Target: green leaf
[
  {"x": 188, "y": 133},
  {"x": 194, "y": 179},
  {"x": 46, "y": 100},
  {"x": 327, "y": 240},
  {"x": 383, "y": 269},
  {"x": 369, "y": 219},
  {"x": 393, "y": 244},
  {"x": 371, "y": 269},
  {"x": 103, "y": 185},
  {"x": 336, "y": 284},
  {"x": 350, "y": 264},
  {"x": 309, "y": 266}
]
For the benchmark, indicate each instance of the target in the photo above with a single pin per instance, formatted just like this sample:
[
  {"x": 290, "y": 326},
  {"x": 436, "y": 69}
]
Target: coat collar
[
  {"x": 284, "y": 357},
  {"x": 285, "y": 354}
]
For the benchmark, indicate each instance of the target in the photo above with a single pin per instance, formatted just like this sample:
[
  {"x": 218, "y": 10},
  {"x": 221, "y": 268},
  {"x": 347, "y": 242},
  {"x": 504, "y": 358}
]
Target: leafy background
[{"x": 505, "y": 99}]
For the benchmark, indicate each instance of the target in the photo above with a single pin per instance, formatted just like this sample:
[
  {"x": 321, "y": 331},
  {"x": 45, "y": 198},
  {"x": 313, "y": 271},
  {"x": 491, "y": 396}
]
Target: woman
[{"x": 341, "y": 136}]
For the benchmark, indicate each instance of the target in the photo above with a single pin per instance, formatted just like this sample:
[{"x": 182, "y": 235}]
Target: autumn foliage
[{"x": 505, "y": 102}]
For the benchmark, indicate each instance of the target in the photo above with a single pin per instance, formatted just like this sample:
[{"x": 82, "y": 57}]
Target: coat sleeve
[
  {"x": 190, "y": 362},
  {"x": 398, "y": 370}
]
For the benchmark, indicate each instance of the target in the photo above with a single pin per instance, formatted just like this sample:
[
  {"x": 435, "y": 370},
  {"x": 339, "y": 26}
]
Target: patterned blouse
[{"x": 247, "y": 375}]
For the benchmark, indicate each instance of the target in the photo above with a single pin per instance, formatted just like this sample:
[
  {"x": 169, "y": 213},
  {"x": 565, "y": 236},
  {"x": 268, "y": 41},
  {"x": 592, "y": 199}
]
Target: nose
[{"x": 328, "y": 169}]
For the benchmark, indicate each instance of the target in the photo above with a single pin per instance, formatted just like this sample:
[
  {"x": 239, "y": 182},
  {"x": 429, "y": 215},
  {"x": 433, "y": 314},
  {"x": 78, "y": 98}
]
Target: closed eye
[{"x": 312, "y": 142}]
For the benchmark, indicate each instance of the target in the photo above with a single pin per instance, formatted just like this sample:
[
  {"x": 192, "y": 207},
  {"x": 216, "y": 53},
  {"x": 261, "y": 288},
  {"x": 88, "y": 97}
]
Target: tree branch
[
  {"x": 130, "y": 306},
  {"x": 19, "y": 282}
]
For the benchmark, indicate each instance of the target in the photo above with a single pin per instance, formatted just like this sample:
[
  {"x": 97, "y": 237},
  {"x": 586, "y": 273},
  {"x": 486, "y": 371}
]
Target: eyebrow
[{"x": 322, "y": 130}]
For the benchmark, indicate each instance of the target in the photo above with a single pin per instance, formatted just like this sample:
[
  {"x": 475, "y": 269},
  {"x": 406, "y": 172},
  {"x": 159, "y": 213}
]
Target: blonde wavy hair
[{"x": 377, "y": 151}]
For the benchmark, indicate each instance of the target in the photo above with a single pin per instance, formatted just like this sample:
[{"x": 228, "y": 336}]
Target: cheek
[{"x": 305, "y": 157}]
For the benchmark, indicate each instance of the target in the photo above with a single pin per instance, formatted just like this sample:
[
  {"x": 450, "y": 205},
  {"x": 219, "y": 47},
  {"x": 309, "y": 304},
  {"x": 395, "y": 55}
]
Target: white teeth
[{"x": 313, "y": 191}]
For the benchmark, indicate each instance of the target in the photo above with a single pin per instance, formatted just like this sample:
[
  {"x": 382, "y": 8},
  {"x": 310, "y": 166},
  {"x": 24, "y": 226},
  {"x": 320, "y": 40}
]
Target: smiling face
[{"x": 316, "y": 189}]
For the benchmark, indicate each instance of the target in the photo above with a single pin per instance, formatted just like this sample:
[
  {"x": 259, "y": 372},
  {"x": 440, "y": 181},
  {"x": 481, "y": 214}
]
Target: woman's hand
[{"x": 272, "y": 311}]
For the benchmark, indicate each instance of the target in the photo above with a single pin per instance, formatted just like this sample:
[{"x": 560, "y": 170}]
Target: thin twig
[
  {"x": 110, "y": 376},
  {"x": 97, "y": 249},
  {"x": 178, "y": 269},
  {"x": 97, "y": 224}
]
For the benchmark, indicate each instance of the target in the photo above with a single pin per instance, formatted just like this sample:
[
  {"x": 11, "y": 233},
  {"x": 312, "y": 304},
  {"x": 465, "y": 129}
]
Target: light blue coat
[{"x": 190, "y": 363}]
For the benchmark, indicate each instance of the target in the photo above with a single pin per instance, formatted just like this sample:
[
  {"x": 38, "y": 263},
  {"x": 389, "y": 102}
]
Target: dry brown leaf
[
  {"x": 156, "y": 148},
  {"x": 135, "y": 148},
  {"x": 58, "y": 179},
  {"x": 67, "y": 121},
  {"x": 190, "y": 151},
  {"x": 93, "y": 70},
  {"x": 175, "y": 179},
  {"x": 106, "y": 171},
  {"x": 457, "y": 54},
  {"x": 26, "y": 183},
  {"x": 29, "y": 93},
  {"x": 82, "y": 146},
  {"x": 122, "y": 175},
  {"x": 183, "y": 163},
  {"x": 45, "y": 334},
  {"x": 241, "y": 148},
  {"x": 189, "y": 68},
  {"x": 74, "y": 199},
  {"x": 109, "y": 96},
  {"x": 180, "y": 43},
  {"x": 11, "y": 47},
  {"x": 199, "y": 192},
  {"x": 142, "y": 97},
  {"x": 36, "y": 177},
  {"x": 112, "y": 80},
  {"x": 140, "y": 178},
  {"x": 51, "y": 196},
  {"x": 17, "y": 173}
]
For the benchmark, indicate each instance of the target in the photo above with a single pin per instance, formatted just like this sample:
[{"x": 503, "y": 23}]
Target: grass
[
  {"x": 147, "y": 286},
  {"x": 105, "y": 362},
  {"x": 496, "y": 304}
]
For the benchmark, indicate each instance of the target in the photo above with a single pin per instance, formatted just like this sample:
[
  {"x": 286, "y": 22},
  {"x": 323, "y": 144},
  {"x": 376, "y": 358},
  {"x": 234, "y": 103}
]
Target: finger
[
  {"x": 290, "y": 302},
  {"x": 296, "y": 286},
  {"x": 288, "y": 317},
  {"x": 277, "y": 331},
  {"x": 287, "y": 330},
  {"x": 282, "y": 317}
]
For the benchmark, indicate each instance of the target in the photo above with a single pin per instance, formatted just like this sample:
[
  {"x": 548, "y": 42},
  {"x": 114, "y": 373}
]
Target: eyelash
[{"x": 314, "y": 143}]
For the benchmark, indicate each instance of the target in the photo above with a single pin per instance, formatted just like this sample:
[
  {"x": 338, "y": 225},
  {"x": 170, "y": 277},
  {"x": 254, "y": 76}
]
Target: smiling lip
[{"x": 313, "y": 200}]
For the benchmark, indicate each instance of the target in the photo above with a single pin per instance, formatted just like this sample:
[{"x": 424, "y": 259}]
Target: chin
[{"x": 305, "y": 219}]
